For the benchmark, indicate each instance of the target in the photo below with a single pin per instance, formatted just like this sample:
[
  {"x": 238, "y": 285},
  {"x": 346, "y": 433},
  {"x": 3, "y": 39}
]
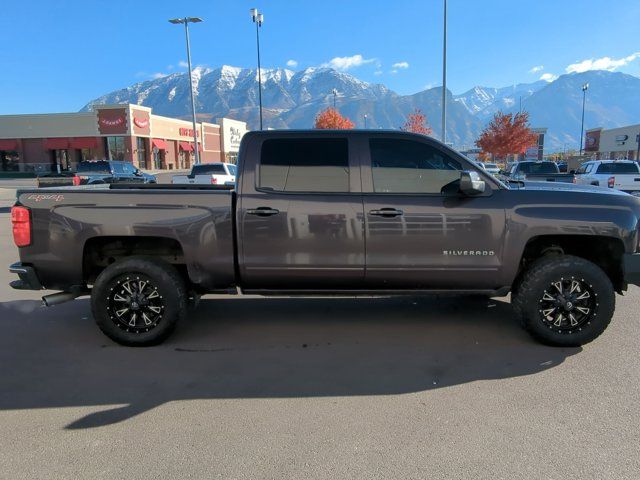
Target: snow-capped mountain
[
  {"x": 485, "y": 101},
  {"x": 292, "y": 100}
]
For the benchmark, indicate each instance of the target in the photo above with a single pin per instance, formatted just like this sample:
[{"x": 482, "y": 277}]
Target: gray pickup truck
[{"x": 332, "y": 212}]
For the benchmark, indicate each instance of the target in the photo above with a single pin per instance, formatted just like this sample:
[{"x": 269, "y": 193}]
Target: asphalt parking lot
[{"x": 314, "y": 388}]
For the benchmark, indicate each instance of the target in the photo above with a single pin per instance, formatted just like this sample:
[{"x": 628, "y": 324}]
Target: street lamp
[
  {"x": 335, "y": 95},
  {"x": 258, "y": 18},
  {"x": 186, "y": 21},
  {"x": 585, "y": 87},
  {"x": 444, "y": 77},
  {"x": 365, "y": 121}
]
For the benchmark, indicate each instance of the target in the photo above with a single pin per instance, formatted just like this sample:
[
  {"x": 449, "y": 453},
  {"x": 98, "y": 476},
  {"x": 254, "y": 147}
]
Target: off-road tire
[
  {"x": 538, "y": 284},
  {"x": 160, "y": 280}
]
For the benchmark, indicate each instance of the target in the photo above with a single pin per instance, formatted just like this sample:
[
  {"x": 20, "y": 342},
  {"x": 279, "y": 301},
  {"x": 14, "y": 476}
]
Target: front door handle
[
  {"x": 386, "y": 212},
  {"x": 263, "y": 211}
]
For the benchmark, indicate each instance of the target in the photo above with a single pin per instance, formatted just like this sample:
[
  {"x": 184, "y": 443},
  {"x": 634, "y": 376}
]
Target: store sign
[
  {"x": 186, "y": 132},
  {"x": 235, "y": 135},
  {"x": 141, "y": 122},
  {"x": 111, "y": 122}
]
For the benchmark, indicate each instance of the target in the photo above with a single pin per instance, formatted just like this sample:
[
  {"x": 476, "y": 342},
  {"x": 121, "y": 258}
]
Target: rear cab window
[
  {"x": 620, "y": 168},
  {"x": 304, "y": 165},
  {"x": 94, "y": 167},
  {"x": 209, "y": 169}
]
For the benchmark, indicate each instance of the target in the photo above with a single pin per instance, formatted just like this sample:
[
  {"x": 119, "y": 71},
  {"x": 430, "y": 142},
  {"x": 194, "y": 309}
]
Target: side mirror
[{"x": 471, "y": 183}]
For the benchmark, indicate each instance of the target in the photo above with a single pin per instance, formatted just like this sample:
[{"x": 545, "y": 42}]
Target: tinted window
[
  {"x": 617, "y": 168},
  {"x": 232, "y": 170},
  {"x": 491, "y": 165},
  {"x": 214, "y": 168},
  {"x": 118, "y": 167},
  {"x": 303, "y": 165},
  {"x": 94, "y": 167},
  {"x": 405, "y": 166},
  {"x": 128, "y": 168},
  {"x": 586, "y": 168},
  {"x": 538, "y": 167}
]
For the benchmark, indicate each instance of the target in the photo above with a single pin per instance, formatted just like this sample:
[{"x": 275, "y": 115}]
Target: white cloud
[
  {"x": 377, "y": 72},
  {"x": 183, "y": 64},
  {"x": 604, "y": 63},
  {"x": 400, "y": 65},
  {"x": 292, "y": 63},
  {"x": 536, "y": 69},
  {"x": 548, "y": 77},
  {"x": 345, "y": 63},
  {"x": 158, "y": 75},
  {"x": 394, "y": 71}
]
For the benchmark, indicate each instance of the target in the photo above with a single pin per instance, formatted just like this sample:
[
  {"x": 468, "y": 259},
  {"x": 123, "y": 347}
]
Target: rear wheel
[
  {"x": 138, "y": 301},
  {"x": 564, "y": 300}
]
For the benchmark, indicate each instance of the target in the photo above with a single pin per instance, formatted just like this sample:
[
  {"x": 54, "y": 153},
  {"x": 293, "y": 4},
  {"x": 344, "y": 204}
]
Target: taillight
[
  {"x": 76, "y": 180},
  {"x": 575, "y": 179},
  {"x": 611, "y": 182},
  {"x": 21, "y": 221},
  {"x": 214, "y": 181}
]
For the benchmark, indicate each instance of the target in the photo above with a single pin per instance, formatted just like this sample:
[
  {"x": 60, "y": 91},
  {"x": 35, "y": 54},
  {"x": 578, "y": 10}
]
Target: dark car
[
  {"x": 350, "y": 212},
  {"x": 93, "y": 172}
]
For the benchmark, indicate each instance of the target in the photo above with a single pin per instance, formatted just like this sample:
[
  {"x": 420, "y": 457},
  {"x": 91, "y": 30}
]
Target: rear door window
[
  {"x": 407, "y": 166},
  {"x": 304, "y": 165}
]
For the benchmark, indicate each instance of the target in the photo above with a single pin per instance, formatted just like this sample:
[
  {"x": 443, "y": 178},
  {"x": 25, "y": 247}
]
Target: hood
[{"x": 565, "y": 187}]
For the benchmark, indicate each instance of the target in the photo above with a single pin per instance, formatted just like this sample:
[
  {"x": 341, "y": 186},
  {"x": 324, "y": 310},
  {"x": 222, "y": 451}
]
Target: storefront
[
  {"x": 613, "y": 144},
  {"x": 42, "y": 143}
]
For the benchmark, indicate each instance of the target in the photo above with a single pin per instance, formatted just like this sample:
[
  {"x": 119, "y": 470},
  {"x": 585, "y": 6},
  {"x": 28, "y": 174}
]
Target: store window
[
  {"x": 9, "y": 161},
  {"x": 115, "y": 148},
  {"x": 141, "y": 145}
]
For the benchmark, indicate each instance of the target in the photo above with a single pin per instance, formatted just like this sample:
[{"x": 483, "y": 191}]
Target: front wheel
[
  {"x": 564, "y": 300},
  {"x": 138, "y": 301}
]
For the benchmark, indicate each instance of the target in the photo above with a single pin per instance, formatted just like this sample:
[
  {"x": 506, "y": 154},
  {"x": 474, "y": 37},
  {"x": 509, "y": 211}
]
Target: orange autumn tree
[
  {"x": 417, "y": 123},
  {"x": 330, "y": 119},
  {"x": 507, "y": 134}
]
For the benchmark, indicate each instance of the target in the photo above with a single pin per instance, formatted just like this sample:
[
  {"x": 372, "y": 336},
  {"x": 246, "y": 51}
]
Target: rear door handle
[
  {"x": 263, "y": 211},
  {"x": 386, "y": 212}
]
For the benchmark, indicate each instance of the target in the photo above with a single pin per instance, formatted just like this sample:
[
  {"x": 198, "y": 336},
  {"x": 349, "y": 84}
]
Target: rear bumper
[
  {"x": 631, "y": 266},
  {"x": 28, "y": 279}
]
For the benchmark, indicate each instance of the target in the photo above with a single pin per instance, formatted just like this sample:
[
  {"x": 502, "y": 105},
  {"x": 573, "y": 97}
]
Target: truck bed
[{"x": 69, "y": 222}]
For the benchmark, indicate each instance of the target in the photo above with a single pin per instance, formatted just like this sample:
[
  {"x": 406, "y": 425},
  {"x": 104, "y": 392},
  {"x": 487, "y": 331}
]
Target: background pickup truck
[
  {"x": 619, "y": 174},
  {"x": 208, "y": 174},
  {"x": 332, "y": 212},
  {"x": 538, "y": 172}
]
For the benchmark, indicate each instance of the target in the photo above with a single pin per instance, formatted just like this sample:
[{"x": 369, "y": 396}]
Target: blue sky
[{"x": 58, "y": 55}]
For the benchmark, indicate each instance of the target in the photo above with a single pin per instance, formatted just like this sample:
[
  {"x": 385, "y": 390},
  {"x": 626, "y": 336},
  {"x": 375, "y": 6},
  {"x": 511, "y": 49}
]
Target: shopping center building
[
  {"x": 613, "y": 144},
  {"x": 56, "y": 142}
]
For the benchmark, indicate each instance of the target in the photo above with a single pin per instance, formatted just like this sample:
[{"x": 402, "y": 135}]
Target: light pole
[
  {"x": 585, "y": 87},
  {"x": 258, "y": 18},
  {"x": 186, "y": 21},
  {"x": 444, "y": 77},
  {"x": 365, "y": 121},
  {"x": 335, "y": 95}
]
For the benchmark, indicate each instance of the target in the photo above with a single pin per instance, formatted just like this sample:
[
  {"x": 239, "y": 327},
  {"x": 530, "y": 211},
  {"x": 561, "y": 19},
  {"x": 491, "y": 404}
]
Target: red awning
[
  {"x": 56, "y": 143},
  {"x": 186, "y": 146},
  {"x": 83, "y": 142},
  {"x": 159, "y": 144},
  {"x": 8, "y": 145}
]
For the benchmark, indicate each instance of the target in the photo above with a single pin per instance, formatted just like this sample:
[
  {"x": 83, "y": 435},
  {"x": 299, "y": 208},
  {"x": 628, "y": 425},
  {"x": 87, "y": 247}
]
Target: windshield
[
  {"x": 538, "y": 167},
  {"x": 95, "y": 167},
  {"x": 618, "y": 168}
]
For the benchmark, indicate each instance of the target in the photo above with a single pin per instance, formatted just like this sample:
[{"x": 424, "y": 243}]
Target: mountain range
[{"x": 293, "y": 99}]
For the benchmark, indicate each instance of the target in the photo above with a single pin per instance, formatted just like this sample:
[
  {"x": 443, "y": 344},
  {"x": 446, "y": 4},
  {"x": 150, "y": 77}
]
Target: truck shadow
[{"x": 262, "y": 348}]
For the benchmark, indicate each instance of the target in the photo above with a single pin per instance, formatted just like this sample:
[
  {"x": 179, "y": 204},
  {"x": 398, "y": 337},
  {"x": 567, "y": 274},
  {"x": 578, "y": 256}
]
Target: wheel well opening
[
  {"x": 100, "y": 252},
  {"x": 606, "y": 252}
]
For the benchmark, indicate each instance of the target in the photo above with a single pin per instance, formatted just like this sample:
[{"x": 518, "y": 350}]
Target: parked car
[
  {"x": 538, "y": 171},
  {"x": 492, "y": 168},
  {"x": 94, "y": 172},
  {"x": 354, "y": 212},
  {"x": 619, "y": 174},
  {"x": 209, "y": 174}
]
